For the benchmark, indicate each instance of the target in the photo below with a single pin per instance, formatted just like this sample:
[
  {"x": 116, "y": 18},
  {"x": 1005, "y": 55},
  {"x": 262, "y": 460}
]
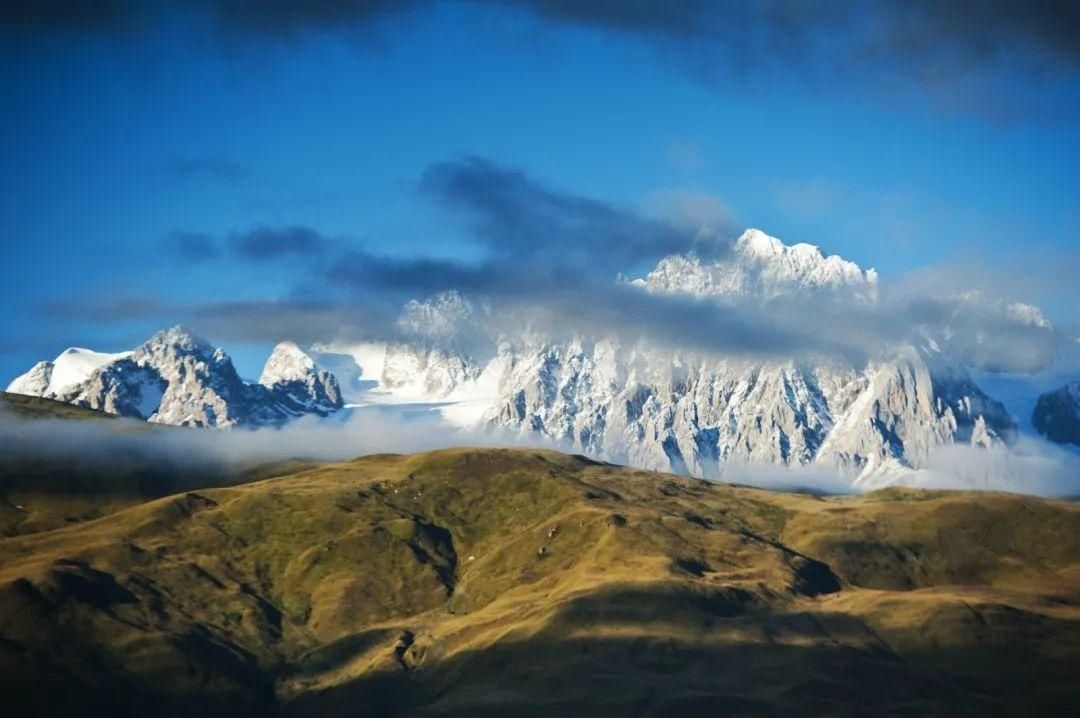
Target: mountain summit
[{"x": 760, "y": 266}]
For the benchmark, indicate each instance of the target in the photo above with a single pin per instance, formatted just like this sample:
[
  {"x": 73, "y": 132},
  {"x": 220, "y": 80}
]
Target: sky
[{"x": 282, "y": 165}]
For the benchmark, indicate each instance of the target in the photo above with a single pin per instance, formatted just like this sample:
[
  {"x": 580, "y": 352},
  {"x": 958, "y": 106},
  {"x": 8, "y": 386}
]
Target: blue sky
[{"x": 114, "y": 140}]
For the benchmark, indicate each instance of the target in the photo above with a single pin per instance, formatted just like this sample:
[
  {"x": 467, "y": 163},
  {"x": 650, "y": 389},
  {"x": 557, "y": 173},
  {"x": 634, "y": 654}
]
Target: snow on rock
[
  {"x": 75, "y": 366},
  {"x": 291, "y": 375},
  {"x": 287, "y": 362},
  {"x": 178, "y": 378},
  {"x": 763, "y": 267},
  {"x": 57, "y": 377},
  {"x": 445, "y": 345},
  {"x": 358, "y": 367},
  {"x": 34, "y": 382}
]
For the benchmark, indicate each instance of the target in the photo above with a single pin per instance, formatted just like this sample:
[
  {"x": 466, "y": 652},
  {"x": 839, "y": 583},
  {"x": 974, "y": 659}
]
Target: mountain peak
[
  {"x": 288, "y": 362},
  {"x": 761, "y": 266},
  {"x": 754, "y": 241},
  {"x": 178, "y": 336}
]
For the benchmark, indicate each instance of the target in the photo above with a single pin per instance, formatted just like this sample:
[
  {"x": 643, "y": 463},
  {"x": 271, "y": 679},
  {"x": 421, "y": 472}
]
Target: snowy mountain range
[
  {"x": 177, "y": 378},
  {"x": 649, "y": 406}
]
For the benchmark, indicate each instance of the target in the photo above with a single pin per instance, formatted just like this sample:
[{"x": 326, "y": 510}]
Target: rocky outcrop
[{"x": 1057, "y": 414}]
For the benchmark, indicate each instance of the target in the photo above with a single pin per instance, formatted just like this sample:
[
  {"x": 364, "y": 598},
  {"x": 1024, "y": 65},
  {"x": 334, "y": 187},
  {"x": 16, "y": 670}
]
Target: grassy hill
[
  {"x": 36, "y": 407},
  {"x": 482, "y": 582},
  {"x": 45, "y": 484}
]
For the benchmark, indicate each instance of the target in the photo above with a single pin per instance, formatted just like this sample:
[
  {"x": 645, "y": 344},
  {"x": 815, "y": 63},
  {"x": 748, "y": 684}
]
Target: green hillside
[
  {"x": 481, "y": 582},
  {"x": 57, "y": 479}
]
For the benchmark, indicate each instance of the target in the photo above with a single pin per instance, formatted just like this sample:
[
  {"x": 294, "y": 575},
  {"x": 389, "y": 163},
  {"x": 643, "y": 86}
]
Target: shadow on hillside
[
  {"x": 670, "y": 652},
  {"x": 663, "y": 651}
]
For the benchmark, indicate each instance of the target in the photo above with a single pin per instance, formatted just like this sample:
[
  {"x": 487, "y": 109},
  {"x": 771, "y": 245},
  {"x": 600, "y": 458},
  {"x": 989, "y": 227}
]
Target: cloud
[
  {"x": 691, "y": 209},
  {"x": 192, "y": 246},
  {"x": 258, "y": 244},
  {"x": 890, "y": 30},
  {"x": 221, "y": 169},
  {"x": 66, "y": 15},
  {"x": 272, "y": 243},
  {"x": 279, "y": 19},
  {"x": 992, "y": 56},
  {"x": 350, "y": 434},
  {"x": 812, "y": 199},
  {"x": 300, "y": 319},
  {"x": 306, "y": 321},
  {"x": 519, "y": 219},
  {"x": 1031, "y": 466},
  {"x": 551, "y": 261},
  {"x": 368, "y": 273}
]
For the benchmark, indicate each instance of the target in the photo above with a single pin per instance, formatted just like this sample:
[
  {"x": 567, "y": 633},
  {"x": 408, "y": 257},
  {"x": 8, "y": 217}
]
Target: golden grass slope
[
  {"x": 45, "y": 486},
  {"x": 473, "y": 582}
]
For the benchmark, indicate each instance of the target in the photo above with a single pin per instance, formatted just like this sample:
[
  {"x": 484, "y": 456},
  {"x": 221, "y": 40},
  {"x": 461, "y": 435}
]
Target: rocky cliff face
[
  {"x": 670, "y": 410},
  {"x": 296, "y": 384},
  {"x": 691, "y": 414},
  {"x": 1057, "y": 414},
  {"x": 445, "y": 345},
  {"x": 178, "y": 378}
]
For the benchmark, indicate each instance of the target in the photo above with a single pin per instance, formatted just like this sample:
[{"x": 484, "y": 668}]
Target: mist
[{"x": 1030, "y": 465}]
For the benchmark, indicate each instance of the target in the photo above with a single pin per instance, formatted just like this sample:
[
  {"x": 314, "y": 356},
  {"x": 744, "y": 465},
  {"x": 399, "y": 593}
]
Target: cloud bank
[
  {"x": 1033, "y": 466},
  {"x": 550, "y": 260}
]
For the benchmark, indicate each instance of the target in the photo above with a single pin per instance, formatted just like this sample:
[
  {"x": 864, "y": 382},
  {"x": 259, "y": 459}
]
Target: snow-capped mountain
[
  {"x": 178, "y": 378},
  {"x": 662, "y": 408},
  {"x": 54, "y": 378},
  {"x": 763, "y": 267},
  {"x": 446, "y": 344},
  {"x": 1057, "y": 414},
  {"x": 631, "y": 402}
]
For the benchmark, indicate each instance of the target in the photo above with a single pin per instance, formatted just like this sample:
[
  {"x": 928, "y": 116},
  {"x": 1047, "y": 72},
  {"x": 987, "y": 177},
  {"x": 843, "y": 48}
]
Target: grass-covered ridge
[{"x": 519, "y": 582}]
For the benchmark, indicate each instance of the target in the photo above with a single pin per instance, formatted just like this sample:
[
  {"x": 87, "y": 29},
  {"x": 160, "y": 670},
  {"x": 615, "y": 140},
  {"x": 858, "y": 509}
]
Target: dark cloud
[
  {"x": 67, "y": 15},
  {"x": 1046, "y": 32},
  {"x": 300, "y": 319},
  {"x": 269, "y": 18},
  {"x": 221, "y": 169},
  {"x": 192, "y": 246},
  {"x": 939, "y": 45},
  {"x": 272, "y": 243},
  {"x": 519, "y": 219},
  {"x": 289, "y": 18},
  {"x": 258, "y": 244},
  {"x": 366, "y": 273}
]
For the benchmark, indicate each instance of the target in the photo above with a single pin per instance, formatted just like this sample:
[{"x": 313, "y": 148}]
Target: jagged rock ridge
[
  {"x": 680, "y": 411},
  {"x": 177, "y": 378}
]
